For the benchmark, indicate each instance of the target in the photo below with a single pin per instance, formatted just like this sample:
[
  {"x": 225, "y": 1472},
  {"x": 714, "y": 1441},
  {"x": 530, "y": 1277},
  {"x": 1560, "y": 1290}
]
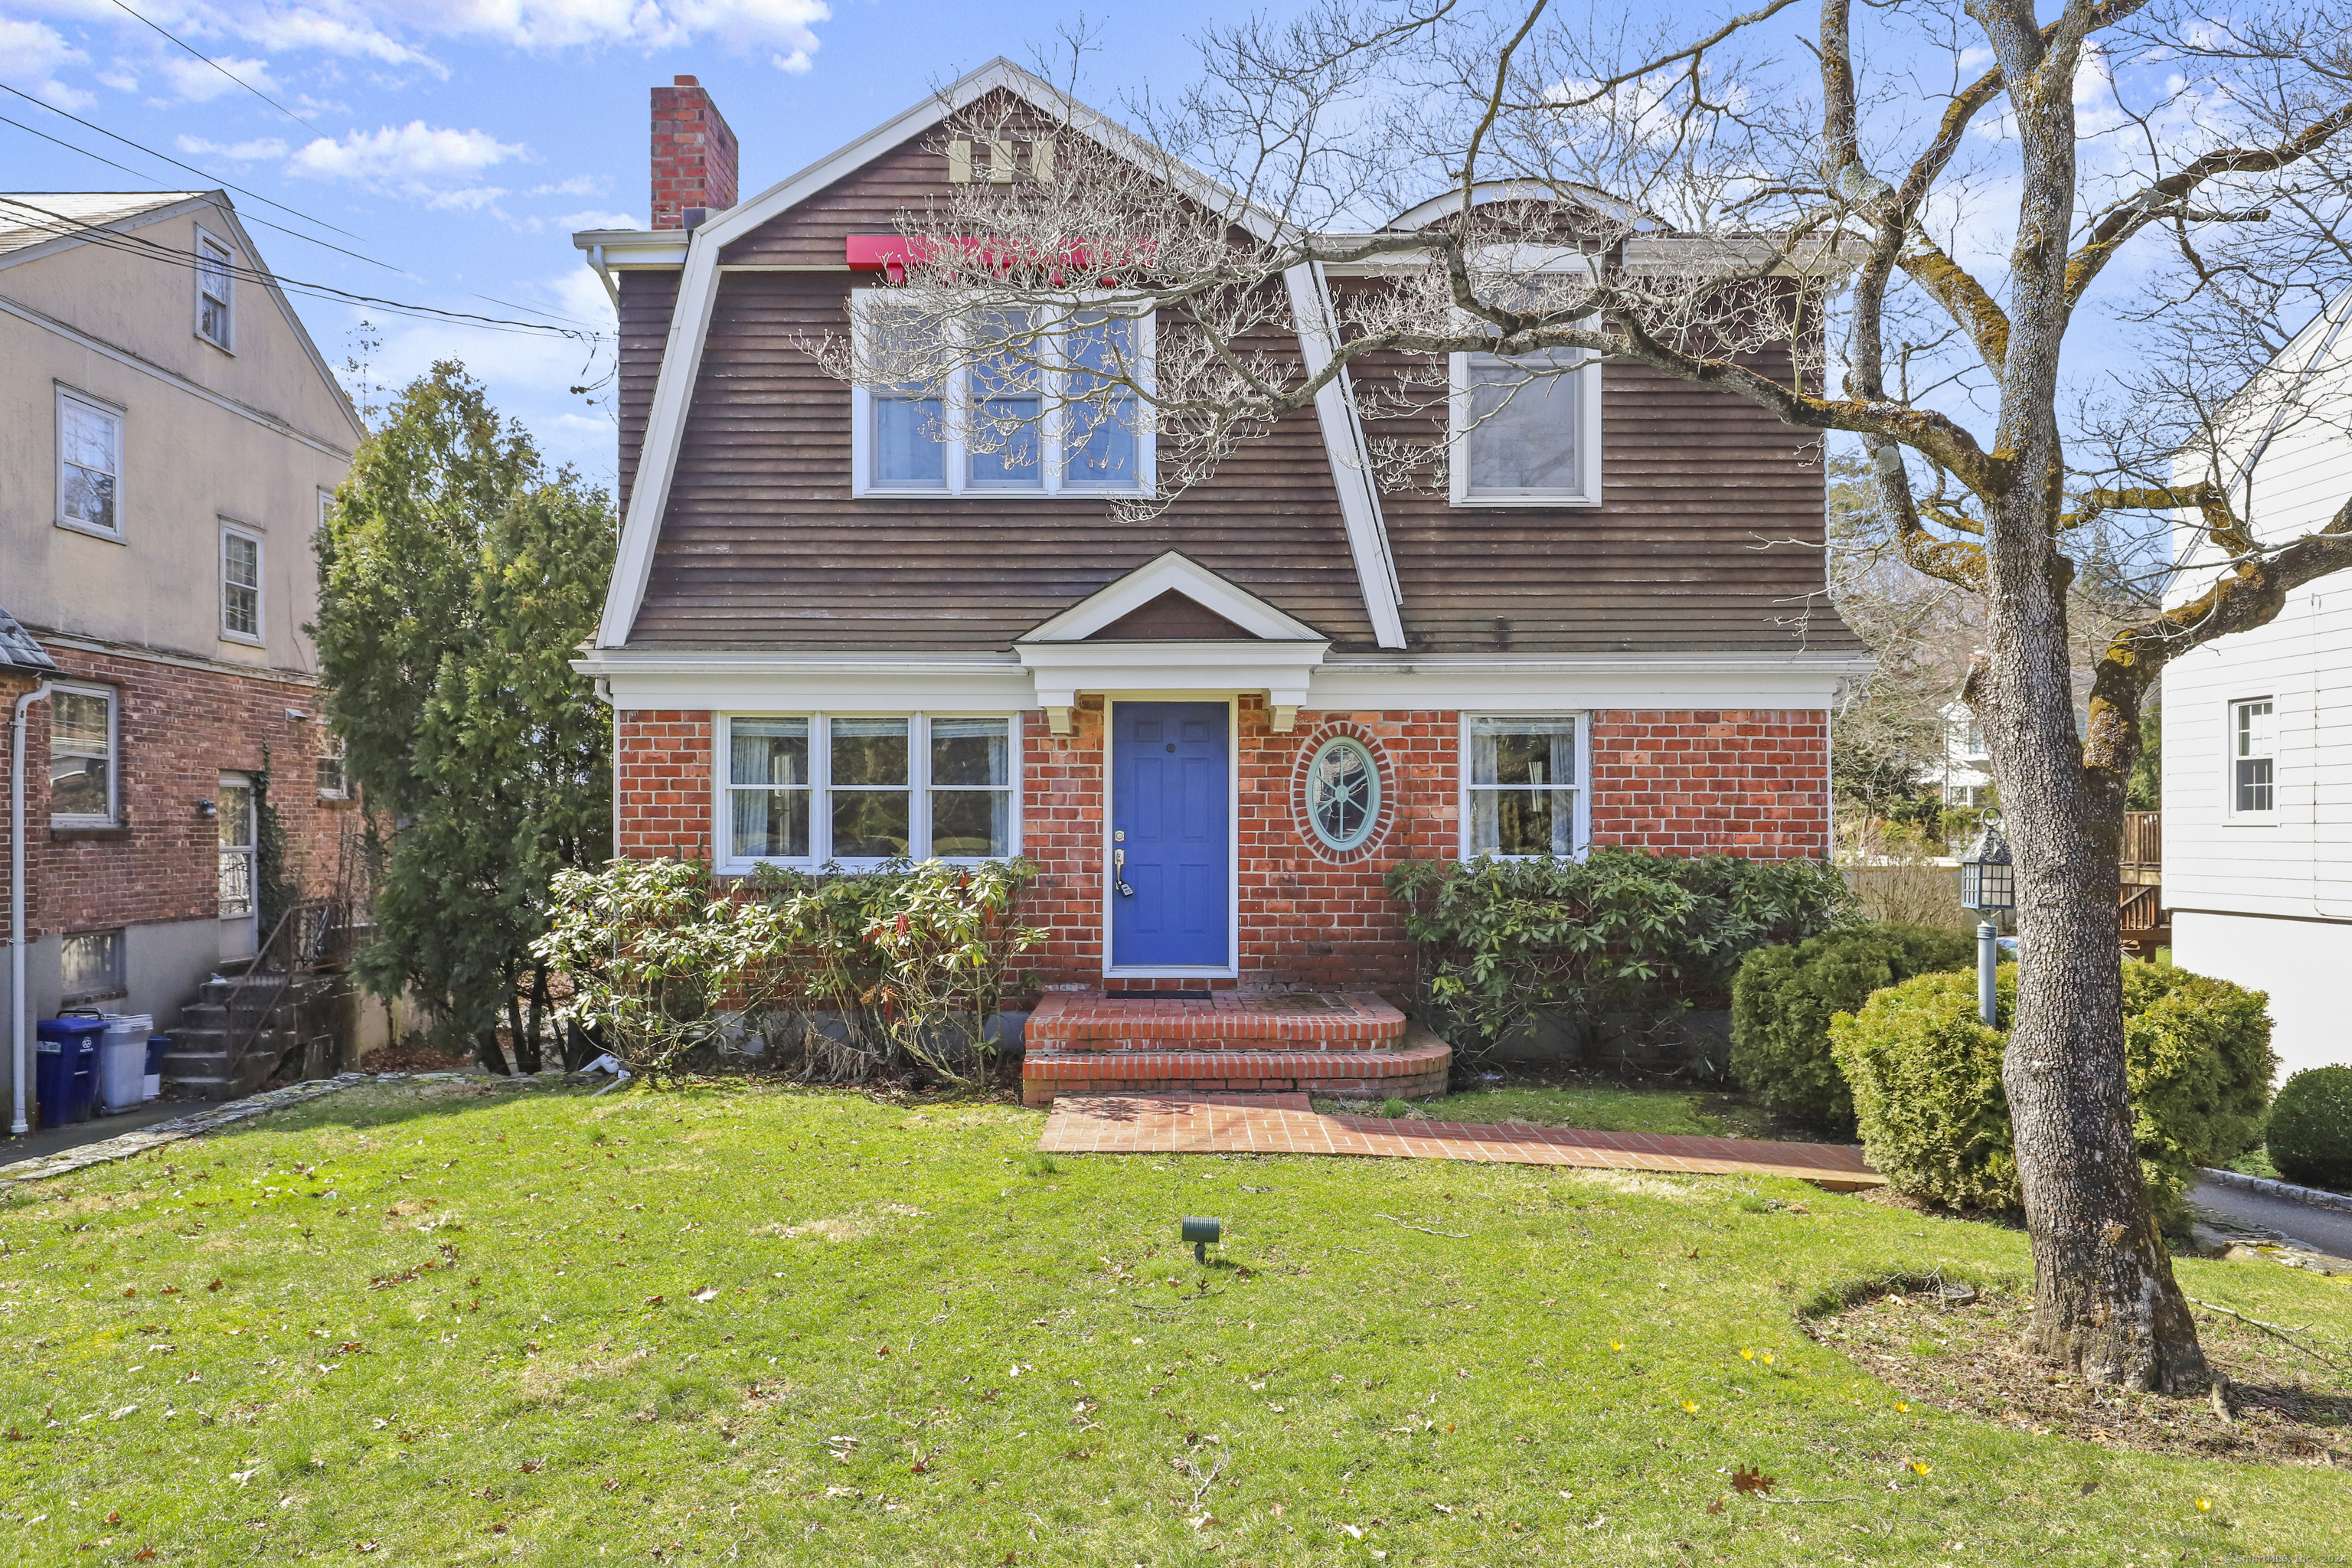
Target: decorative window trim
[
  {"x": 226, "y": 342},
  {"x": 1051, "y": 431},
  {"x": 820, "y": 741},
  {"x": 2250, "y": 817},
  {"x": 120, "y": 418},
  {"x": 112, "y": 816},
  {"x": 1580, "y": 828},
  {"x": 257, "y": 638},
  {"x": 1302, "y": 799}
]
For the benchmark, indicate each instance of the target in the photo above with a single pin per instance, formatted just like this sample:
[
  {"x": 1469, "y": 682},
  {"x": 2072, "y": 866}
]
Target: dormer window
[
  {"x": 215, "y": 292},
  {"x": 1045, "y": 413}
]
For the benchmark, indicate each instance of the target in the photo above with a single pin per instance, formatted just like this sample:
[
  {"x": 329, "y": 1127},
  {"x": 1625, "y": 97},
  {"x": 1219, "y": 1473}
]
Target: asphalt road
[{"x": 2325, "y": 1231}]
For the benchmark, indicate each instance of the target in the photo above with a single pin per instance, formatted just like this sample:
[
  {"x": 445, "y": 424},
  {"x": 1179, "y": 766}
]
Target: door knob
[{"x": 1119, "y": 869}]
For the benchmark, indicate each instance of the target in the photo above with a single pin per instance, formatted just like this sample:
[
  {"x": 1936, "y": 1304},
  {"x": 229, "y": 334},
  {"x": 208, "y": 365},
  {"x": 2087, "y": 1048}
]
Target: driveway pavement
[
  {"x": 47, "y": 1140},
  {"x": 2258, "y": 1217}
]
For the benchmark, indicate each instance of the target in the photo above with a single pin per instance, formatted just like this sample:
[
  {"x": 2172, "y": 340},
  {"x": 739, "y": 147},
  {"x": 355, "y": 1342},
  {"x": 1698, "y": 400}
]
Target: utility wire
[
  {"x": 245, "y": 217},
  {"x": 57, "y": 223},
  {"x": 222, "y": 68},
  {"x": 191, "y": 168}
]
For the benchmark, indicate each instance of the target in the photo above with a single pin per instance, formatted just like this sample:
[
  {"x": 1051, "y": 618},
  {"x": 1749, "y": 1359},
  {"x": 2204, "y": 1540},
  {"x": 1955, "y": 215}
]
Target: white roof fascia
[
  {"x": 1171, "y": 570},
  {"x": 630, "y": 250},
  {"x": 1489, "y": 191},
  {"x": 681, "y": 361},
  {"x": 1350, "y": 460}
]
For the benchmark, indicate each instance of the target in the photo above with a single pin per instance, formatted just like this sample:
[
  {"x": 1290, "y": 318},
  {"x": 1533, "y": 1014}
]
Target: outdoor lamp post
[{"x": 1988, "y": 884}]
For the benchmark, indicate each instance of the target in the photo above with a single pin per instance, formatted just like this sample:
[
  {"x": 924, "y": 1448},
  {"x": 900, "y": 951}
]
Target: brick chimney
[{"x": 694, "y": 153}]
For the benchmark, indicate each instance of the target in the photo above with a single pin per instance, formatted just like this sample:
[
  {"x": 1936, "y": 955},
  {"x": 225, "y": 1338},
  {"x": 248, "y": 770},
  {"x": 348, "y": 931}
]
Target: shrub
[
  {"x": 910, "y": 961},
  {"x": 1925, "y": 1075},
  {"x": 1783, "y": 999},
  {"x": 1502, "y": 943},
  {"x": 2311, "y": 1128}
]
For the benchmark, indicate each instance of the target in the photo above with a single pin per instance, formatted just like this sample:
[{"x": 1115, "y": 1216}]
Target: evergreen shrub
[
  {"x": 2311, "y": 1128},
  {"x": 1784, "y": 997},
  {"x": 1927, "y": 1095}
]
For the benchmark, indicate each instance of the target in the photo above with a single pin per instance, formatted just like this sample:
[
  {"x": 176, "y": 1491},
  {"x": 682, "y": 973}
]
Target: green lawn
[{"x": 448, "y": 1324}]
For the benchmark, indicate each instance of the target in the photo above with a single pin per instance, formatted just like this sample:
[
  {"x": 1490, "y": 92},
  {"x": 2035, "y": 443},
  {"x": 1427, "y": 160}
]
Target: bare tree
[{"x": 1893, "y": 237}]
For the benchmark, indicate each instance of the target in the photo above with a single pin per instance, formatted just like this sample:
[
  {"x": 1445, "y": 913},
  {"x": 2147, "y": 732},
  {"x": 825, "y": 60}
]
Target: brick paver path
[{"x": 1287, "y": 1125}]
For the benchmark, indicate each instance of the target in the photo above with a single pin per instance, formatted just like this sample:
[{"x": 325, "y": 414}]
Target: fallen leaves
[{"x": 1749, "y": 1480}]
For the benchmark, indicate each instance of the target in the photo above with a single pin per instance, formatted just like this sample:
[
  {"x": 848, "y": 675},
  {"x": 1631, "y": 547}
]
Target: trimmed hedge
[
  {"x": 1927, "y": 1093},
  {"x": 1784, "y": 997},
  {"x": 2311, "y": 1128}
]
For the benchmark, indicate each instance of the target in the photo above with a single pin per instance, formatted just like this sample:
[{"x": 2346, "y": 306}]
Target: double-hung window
[
  {"x": 82, "y": 739},
  {"x": 990, "y": 402},
  {"x": 806, "y": 789},
  {"x": 240, "y": 593},
  {"x": 1526, "y": 785},
  {"x": 1525, "y": 429},
  {"x": 333, "y": 767},
  {"x": 89, "y": 464},
  {"x": 2253, "y": 756},
  {"x": 215, "y": 292}
]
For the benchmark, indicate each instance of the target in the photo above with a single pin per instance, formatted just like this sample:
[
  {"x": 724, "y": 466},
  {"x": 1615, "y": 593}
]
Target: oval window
[{"x": 1343, "y": 792}]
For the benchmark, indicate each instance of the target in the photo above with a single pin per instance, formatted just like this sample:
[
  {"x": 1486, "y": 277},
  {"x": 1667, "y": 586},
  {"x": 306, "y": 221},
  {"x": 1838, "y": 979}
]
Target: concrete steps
[{"x": 199, "y": 1065}]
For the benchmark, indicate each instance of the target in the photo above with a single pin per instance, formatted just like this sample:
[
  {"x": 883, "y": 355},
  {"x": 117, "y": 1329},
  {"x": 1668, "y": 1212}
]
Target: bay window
[
  {"x": 806, "y": 789},
  {"x": 997, "y": 401}
]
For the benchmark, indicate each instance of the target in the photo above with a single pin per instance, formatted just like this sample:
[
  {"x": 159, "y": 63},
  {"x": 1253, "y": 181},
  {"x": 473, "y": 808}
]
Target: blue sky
[{"x": 463, "y": 140}]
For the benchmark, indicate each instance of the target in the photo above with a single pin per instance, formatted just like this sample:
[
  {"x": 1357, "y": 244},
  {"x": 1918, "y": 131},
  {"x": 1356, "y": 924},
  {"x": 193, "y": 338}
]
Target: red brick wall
[
  {"x": 1753, "y": 783},
  {"x": 178, "y": 730},
  {"x": 662, "y": 796}
]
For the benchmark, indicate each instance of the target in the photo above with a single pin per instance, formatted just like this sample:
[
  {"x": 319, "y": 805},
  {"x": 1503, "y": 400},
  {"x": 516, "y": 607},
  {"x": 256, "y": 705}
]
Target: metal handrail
[{"x": 301, "y": 955}]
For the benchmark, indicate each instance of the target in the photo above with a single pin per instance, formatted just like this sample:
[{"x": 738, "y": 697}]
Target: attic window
[
  {"x": 1525, "y": 429},
  {"x": 215, "y": 292}
]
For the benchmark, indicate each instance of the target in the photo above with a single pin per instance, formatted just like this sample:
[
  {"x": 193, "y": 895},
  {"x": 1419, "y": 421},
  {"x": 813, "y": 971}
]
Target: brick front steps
[{"x": 1348, "y": 1043}]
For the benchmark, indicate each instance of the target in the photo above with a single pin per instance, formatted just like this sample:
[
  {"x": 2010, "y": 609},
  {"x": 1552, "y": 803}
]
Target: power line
[
  {"x": 134, "y": 245},
  {"x": 222, "y": 69},
  {"x": 191, "y": 168},
  {"x": 247, "y": 217}
]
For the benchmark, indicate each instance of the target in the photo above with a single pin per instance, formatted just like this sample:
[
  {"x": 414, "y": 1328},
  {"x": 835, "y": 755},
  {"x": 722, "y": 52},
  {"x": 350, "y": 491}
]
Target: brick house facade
[
  {"x": 1332, "y": 678},
  {"x": 158, "y": 491}
]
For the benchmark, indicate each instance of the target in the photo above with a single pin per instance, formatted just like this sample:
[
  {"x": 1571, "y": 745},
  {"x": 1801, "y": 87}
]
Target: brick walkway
[{"x": 1287, "y": 1125}]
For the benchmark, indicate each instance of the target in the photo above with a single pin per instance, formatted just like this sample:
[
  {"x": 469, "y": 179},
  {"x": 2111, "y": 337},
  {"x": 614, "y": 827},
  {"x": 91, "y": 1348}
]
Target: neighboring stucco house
[
  {"x": 169, "y": 435},
  {"x": 2258, "y": 727},
  {"x": 830, "y": 636}
]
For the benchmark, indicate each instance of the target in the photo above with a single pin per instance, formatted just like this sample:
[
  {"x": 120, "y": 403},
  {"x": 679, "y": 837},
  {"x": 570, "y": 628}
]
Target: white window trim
[
  {"x": 258, "y": 637},
  {"x": 1379, "y": 793},
  {"x": 112, "y": 817},
  {"x": 203, "y": 238},
  {"x": 1581, "y": 830},
  {"x": 119, "y": 982},
  {"x": 2229, "y": 811},
  {"x": 919, "y": 785},
  {"x": 332, "y": 745},
  {"x": 1587, "y": 376},
  {"x": 122, "y": 417},
  {"x": 250, "y": 849},
  {"x": 864, "y": 303}
]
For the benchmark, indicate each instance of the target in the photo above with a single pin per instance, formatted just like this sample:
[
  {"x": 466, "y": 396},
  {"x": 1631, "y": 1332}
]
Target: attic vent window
[{"x": 215, "y": 292}]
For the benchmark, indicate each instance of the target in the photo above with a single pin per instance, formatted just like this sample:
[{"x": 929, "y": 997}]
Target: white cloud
[
  {"x": 415, "y": 159},
  {"x": 574, "y": 222},
  {"x": 577, "y": 185},
  {"x": 30, "y": 54},
  {"x": 235, "y": 152},
  {"x": 118, "y": 78},
  {"x": 195, "y": 82}
]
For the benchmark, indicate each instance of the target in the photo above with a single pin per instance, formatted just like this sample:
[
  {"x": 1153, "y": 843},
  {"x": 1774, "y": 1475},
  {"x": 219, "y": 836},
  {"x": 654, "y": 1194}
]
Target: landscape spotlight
[{"x": 1202, "y": 1234}]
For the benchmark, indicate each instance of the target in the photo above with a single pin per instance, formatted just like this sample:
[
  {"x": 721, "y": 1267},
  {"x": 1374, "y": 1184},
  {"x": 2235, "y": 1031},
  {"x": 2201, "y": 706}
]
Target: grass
[{"x": 457, "y": 1324}]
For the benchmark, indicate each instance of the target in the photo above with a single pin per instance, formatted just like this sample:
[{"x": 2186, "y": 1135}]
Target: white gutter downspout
[
  {"x": 596, "y": 260},
  {"x": 17, "y": 1006}
]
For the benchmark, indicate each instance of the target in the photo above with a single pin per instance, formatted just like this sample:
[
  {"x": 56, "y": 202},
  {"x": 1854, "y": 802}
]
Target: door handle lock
[{"x": 1119, "y": 869}]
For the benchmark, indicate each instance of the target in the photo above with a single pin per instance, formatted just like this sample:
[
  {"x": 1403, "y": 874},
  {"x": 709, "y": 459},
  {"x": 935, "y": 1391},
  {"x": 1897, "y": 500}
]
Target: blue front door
[{"x": 1171, "y": 799}]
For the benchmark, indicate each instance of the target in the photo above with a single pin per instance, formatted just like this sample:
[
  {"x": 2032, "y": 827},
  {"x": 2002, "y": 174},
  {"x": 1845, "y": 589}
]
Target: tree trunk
[
  {"x": 535, "y": 1020},
  {"x": 487, "y": 1051},
  {"x": 2106, "y": 1303}
]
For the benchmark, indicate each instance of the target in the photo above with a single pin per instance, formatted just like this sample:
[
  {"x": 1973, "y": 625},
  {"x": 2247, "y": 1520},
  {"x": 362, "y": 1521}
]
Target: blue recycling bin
[{"x": 66, "y": 1075}]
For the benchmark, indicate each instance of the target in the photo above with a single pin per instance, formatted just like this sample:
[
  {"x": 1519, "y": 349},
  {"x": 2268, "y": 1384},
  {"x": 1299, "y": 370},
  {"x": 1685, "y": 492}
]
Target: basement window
[{"x": 90, "y": 963}]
